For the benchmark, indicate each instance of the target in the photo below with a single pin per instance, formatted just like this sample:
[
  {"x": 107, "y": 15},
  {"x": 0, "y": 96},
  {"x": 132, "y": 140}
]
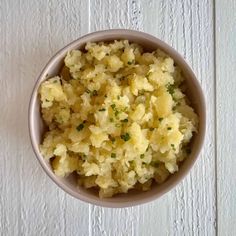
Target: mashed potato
[{"x": 116, "y": 116}]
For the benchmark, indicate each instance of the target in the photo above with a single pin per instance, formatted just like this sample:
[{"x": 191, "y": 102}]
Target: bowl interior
[{"x": 194, "y": 94}]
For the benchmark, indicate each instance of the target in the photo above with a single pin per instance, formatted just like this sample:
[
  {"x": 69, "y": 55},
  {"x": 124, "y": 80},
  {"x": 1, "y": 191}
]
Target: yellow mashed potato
[{"x": 116, "y": 116}]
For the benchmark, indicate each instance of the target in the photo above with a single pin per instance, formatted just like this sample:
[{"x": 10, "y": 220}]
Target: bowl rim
[{"x": 33, "y": 98}]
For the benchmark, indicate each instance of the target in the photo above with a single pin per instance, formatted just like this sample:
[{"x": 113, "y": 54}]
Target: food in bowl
[{"x": 117, "y": 116}]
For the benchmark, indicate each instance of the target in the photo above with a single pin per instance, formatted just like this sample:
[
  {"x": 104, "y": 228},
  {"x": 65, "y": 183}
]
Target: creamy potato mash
[{"x": 116, "y": 116}]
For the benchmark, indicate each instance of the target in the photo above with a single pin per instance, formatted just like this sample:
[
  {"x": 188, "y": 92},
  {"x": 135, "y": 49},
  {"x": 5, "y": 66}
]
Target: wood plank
[
  {"x": 31, "y": 31},
  {"x": 104, "y": 15},
  {"x": 226, "y": 116},
  {"x": 189, "y": 209}
]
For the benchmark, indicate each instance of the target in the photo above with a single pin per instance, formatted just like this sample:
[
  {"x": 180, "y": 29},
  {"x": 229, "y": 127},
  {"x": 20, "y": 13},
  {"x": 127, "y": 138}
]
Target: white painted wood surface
[
  {"x": 202, "y": 31},
  {"x": 226, "y": 116}
]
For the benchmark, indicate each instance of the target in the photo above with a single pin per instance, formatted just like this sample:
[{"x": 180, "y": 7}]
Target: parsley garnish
[
  {"x": 80, "y": 127},
  {"x": 169, "y": 128},
  {"x": 87, "y": 91},
  {"x": 116, "y": 112},
  {"x": 173, "y": 146},
  {"x": 102, "y": 109},
  {"x": 125, "y": 137},
  {"x": 113, "y": 106},
  {"x": 151, "y": 129},
  {"x": 160, "y": 119},
  {"x": 113, "y": 155},
  {"x": 125, "y": 120},
  {"x": 142, "y": 156},
  {"x": 170, "y": 88}
]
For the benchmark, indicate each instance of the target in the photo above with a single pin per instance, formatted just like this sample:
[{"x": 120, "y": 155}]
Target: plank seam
[{"x": 215, "y": 112}]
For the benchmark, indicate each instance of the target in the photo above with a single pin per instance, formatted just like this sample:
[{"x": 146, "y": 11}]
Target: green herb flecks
[
  {"x": 113, "y": 106},
  {"x": 113, "y": 155},
  {"x": 125, "y": 137},
  {"x": 170, "y": 88},
  {"x": 80, "y": 127},
  {"x": 102, "y": 109},
  {"x": 160, "y": 119},
  {"x": 142, "y": 156},
  {"x": 87, "y": 91},
  {"x": 125, "y": 120},
  {"x": 173, "y": 147},
  {"x": 130, "y": 62},
  {"x": 169, "y": 128}
]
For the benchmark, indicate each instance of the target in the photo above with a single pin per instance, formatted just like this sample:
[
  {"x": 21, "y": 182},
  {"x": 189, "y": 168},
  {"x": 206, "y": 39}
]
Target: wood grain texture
[
  {"x": 190, "y": 209},
  {"x": 106, "y": 16},
  {"x": 226, "y": 116},
  {"x": 31, "y": 32}
]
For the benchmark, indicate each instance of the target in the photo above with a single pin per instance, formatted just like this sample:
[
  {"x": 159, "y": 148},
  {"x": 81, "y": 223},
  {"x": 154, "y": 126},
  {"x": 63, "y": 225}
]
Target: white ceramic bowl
[{"x": 194, "y": 93}]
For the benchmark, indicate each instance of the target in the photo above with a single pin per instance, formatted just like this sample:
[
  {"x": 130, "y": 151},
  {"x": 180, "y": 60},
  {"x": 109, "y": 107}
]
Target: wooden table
[{"x": 203, "y": 32}]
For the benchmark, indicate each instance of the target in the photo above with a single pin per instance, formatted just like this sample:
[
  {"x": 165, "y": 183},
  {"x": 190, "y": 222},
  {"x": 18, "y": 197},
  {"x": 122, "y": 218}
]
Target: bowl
[{"x": 194, "y": 93}]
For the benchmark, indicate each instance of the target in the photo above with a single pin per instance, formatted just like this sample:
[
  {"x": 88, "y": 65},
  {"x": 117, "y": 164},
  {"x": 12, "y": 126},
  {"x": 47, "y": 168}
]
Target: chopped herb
[
  {"x": 173, "y": 146},
  {"x": 125, "y": 121},
  {"x": 160, "y": 119},
  {"x": 169, "y": 128},
  {"x": 170, "y": 88},
  {"x": 142, "y": 156},
  {"x": 118, "y": 97},
  {"x": 55, "y": 81},
  {"x": 102, "y": 109},
  {"x": 111, "y": 119},
  {"x": 94, "y": 93},
  {"x": 117, "y": 125},
  {"x": 155, "y": 164},
  {"x": 116, "y": 112},
  {"x": 113, "y": 106},
  {"x": 47, "y": 100},
  {"x": 188, "y": 150},
  {"x": 80, "y": 127},
  {"x": 147, "y": 148},
  {"x": 125, "y": 109},
  {"x": 87, "y": 91},
  {"x": 141, "y": 92},
  {"x": 105, "y": 96},
  {"x": 130, "y": 62},
  {"x": 113, "y": 155},
  {"x": 151, "y": 129},
  {"x": 125, "y": 137}
]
